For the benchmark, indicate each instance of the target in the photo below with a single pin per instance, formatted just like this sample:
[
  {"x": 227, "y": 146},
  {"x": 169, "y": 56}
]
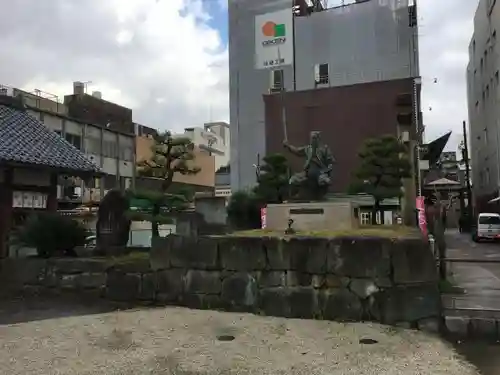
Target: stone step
[{"x": 476, "y": 327}]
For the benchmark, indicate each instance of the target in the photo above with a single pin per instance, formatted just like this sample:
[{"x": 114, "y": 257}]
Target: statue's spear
[
  {"x": 283, "y": 109},
  {"x": 283, "y": 113}
]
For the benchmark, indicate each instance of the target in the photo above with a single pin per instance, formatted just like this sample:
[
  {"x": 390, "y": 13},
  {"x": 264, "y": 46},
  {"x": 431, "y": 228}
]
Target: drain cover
[
  {"x": 368, "y": 341},
  {"x": 225, "y": 337}
]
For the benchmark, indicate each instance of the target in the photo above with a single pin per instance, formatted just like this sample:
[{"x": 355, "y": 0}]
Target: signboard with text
[
  {"x": 28, "y": 199},
  {"x": 274, "y": 39}
]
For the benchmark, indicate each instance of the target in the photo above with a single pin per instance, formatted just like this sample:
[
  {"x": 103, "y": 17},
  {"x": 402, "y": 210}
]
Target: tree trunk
[
  {"x": 375, "y": 209},
  {"x": 155, "y": 230}
]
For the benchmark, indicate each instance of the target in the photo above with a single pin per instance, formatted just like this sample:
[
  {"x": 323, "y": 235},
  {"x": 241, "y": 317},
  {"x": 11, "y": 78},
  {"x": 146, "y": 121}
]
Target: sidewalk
[{"x": 481, "y": 281}]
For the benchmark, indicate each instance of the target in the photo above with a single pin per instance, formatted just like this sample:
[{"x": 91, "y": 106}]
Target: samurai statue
[{"x": 316, "y": 176}]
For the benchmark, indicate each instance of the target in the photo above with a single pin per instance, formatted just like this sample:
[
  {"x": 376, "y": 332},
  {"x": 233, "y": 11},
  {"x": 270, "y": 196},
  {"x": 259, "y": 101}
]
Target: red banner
[
  {"x": 263, "y": 212},
  {"x": 422, "y": 222}
]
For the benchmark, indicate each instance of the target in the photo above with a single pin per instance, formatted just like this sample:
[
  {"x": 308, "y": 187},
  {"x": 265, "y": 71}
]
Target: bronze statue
[{"x": 314, "y": 180}]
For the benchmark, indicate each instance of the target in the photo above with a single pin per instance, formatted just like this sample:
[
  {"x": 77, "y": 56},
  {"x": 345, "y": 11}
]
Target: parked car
[{"x": 488, "y": 227}]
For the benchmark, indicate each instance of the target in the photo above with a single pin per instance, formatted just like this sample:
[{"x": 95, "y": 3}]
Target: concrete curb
[{"x": 478, "y": 328}]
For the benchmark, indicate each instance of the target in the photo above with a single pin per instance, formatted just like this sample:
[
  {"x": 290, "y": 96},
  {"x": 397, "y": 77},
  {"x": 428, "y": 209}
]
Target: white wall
[
  {"x": 53, "y": 122},
  {"x": 483, "y": 92},
  {"x": 201, "y": 137}
]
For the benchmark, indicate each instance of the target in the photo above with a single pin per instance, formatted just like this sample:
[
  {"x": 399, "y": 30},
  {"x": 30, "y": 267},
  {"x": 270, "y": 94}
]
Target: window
[
  {"x": 93, "y": 145},
  {"x": 109, "y": 182},
  {"x": 127, "y": 153},
  {"x": 110, "y": 149},
  {"x": 125, "y": 183},
  {"x": 321, "y": 74},
  {"x": 75, "y": 140},
  {"x": 489, "y": 220},
  {"x": 277, "y": 79},
  {"x": 494, "y": 37},
  {"x": 365, "y": 218},
  {"x": 487, "y": 91},
  {"x": 412, "y": 13},
  {"x": 496, "y": 78},
  {"x": 94, "y": 183}
]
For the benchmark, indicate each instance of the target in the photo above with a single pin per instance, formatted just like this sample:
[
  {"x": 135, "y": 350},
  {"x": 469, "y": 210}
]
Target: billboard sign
[{"x": 274, "y": 39}]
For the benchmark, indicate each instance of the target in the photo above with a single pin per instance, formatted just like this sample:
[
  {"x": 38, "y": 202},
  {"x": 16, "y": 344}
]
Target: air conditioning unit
[
  {"x": 322, "y": 80},
  {"x": 275, "y": 90}
]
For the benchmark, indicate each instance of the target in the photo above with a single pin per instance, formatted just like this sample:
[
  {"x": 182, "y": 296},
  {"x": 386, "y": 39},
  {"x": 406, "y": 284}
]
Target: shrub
[
  {"x": 243, "y": 210},
  {"x": 51, "y": 234}
]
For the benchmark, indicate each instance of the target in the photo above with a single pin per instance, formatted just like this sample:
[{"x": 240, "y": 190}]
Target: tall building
[
  {"x": 213, "y": 138},
  {"x": 113, "y": 150},
  {"x": 483, "y": 94},
  {"x": 302, "y": 67}
]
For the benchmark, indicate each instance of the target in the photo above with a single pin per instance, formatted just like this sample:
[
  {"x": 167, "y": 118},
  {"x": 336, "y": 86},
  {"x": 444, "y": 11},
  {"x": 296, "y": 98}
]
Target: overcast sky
[{"x": 167, "y": 59}]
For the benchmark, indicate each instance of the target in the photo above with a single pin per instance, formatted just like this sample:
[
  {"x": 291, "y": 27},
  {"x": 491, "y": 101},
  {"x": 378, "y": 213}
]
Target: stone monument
[
  {"x": 308, "y": 209},
  {"x": 113, "y": 225}
]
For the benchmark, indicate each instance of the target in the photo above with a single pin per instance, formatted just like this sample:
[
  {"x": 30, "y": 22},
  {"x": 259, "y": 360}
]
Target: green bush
[
  {"x": 51, "y": 234},
  {"x": 243, "y": 210}
]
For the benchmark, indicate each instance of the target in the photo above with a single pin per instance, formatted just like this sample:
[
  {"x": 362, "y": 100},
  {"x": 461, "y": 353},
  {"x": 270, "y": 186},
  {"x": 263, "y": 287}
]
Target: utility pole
[
  {"x": 294, "y": 67},
  {"x": 465, "y": 154}
]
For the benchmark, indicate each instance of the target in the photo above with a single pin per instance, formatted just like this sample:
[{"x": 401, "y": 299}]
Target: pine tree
[
  {"x": 273, "y": 179},
  {"x": 170, "y": 156},
  {"x": 383, "y": 166}
]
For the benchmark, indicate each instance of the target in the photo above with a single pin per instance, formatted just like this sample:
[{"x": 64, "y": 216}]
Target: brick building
[{"x": 345, "y": 115}]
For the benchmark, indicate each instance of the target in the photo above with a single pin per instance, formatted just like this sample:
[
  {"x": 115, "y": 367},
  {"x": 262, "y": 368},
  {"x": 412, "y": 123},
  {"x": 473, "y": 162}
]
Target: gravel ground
[{"x": 179, "y": 341}]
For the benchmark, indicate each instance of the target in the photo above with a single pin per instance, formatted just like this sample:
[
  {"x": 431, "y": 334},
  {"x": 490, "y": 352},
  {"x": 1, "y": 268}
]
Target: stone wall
[{"x": 344, "y": 279}]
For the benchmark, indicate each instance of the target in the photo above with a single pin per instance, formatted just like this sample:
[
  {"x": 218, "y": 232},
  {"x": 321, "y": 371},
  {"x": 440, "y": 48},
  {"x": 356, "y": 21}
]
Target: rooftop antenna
[{"x": 85, "y": 85}]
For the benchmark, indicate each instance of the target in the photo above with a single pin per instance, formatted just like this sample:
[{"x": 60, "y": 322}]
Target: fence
[{"x": 137, "y": 238}]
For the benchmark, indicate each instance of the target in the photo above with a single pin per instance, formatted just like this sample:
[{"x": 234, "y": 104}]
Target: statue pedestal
[{"x": 312, "y": 216}]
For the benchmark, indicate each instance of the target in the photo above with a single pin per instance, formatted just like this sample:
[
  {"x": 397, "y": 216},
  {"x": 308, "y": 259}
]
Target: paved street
[{"x": 476, "y": 269}]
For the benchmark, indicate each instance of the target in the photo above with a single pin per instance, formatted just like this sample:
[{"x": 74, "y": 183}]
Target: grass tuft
[
  {"x": 396, "y": 231},
  {"x": 133, "y": 257}
]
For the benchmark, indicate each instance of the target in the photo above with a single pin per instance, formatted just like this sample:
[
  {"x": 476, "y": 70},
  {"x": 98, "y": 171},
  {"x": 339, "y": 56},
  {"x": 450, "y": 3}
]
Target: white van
[{"x": 488, "y": 227}]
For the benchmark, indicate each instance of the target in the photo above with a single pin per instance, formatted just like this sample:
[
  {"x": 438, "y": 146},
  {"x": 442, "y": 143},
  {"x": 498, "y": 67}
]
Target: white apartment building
[
  {"x": 483, "y": 93},
  {"x": 214, "y": 137},
  {"x": 112, "y": 150}
]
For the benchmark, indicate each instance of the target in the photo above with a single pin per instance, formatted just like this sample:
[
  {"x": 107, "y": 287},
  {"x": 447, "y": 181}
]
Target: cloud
[
  {"x": 165, "y": 59},
  {"x": 160, "y": 57},
  {"x": 446, "y": 28}
]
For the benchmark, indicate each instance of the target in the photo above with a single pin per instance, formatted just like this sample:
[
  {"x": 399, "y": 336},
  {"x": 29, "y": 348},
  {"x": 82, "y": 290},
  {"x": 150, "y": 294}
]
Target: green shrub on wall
[
  {"x": 243, "y": 210},
  {"x": 51, "y": 234}
]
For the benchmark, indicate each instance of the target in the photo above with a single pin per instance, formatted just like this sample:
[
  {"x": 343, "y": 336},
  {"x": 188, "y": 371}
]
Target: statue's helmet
[{"x": 315, "y": 135}]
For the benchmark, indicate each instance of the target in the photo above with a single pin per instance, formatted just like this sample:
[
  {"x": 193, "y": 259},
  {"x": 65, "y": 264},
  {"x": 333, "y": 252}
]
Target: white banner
[{"x": 274, "y": 39}]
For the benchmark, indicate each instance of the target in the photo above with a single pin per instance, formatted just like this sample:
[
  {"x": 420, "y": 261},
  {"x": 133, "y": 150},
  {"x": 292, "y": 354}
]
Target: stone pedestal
[{"x": 313, "y": 216}]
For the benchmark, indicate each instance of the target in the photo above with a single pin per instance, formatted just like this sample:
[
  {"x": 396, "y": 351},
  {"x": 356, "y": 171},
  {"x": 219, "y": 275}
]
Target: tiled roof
[{"x": 24, "y": 139}]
